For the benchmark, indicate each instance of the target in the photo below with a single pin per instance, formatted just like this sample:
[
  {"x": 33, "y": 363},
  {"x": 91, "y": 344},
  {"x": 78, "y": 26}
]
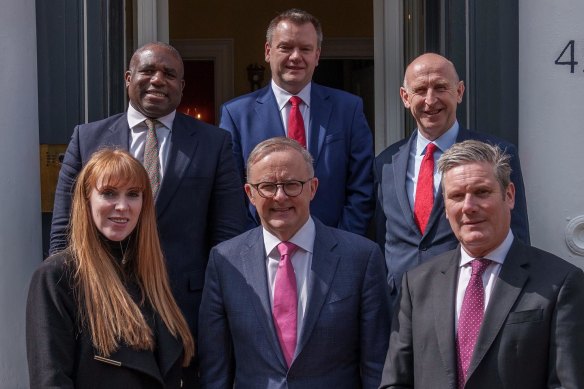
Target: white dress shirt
[
  {"x": 497, "y": 257},
  {"x": 417, "y": 151},
  {"x": 138, "y": 130},
  {"x": 283, "y": 101},
  {"x": 301, "y": 262}
]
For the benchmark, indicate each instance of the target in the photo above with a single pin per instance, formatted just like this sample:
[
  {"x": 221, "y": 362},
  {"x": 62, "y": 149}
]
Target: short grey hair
[
  {"x": 297, "y": 17},
  {"x": 471, "y": 151},
  {"x": 273, "y": 145}
]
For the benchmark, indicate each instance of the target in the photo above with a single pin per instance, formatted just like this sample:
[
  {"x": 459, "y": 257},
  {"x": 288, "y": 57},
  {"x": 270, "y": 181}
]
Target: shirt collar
[
  {"x": 282, "y": 96},
  {"x": 304, "y": 238},
  {"x": 444, "y": 142},
  {"x": 497, "y": 255},
  {"x": 136, "y": 119}
]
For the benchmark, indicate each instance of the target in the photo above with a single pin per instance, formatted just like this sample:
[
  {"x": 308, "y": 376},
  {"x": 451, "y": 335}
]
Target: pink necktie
[
  {"x": 151, "y": 160},
  {"x": 296, "y": 129},
  {"x": 470, "y": 318},
  {"x": 286, "y": 301},
  {"x": 424, "y": 200}
]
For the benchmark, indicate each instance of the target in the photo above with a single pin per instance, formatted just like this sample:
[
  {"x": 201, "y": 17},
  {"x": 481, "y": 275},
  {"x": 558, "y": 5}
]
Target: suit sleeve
[
  {"x": 398, "y": 371},
  {"x": 50, "y": 330},
  {"x": 379, "y": 216},
  {"x": 227, "y": 216},
  {"x": 64, "y": 193},
  {"x": 519, "y": 219},
  {"x": 215, "y": 345},
  {"x": 227, "y": 123},
  {"x": 358, "y": 208},
  {"x": 567, "y": 338},
  {"x": 375, "y": 320}
]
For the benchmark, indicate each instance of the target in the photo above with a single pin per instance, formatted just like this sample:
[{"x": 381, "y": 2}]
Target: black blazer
[
  {"x": 60, "y": 353},
  {"x": 200, "y": 202}
]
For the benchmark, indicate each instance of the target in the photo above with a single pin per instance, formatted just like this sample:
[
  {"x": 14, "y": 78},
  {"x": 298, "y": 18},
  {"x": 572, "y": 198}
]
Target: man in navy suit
[
  {"x": 337, "y": 327},
  {"x": 494, "y": 312},
  {"x": 336, "y": 131},
  {"x": 199, "y": 203},
  {"x": 431, "y": 91}
]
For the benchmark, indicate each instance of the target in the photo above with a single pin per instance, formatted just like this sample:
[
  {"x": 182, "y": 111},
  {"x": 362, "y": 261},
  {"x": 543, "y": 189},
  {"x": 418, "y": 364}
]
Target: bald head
[
  {"x": 432, "y": 91},
  {"x": 429, "y": 61}
]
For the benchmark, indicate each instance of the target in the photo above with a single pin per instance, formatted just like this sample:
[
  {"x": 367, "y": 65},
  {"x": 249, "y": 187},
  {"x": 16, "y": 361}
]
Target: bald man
[{"x": 412, "y": 229}]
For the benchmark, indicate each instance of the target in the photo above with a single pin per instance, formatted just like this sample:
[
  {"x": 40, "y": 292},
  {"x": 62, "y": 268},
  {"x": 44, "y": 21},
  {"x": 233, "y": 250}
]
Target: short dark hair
[
  {"x": 147, "y": 46},
  {"x": 298, "y": 17}
]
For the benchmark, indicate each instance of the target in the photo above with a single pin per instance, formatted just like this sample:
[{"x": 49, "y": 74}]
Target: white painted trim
[
  {"x": 221, "y": 52},
  {"x": 146, "y": 21},
  {"x": 388, "y": 47}
]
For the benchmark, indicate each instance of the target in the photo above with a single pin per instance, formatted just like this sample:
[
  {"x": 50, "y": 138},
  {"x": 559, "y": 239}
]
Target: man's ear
[
  {"x": 405, "y": 96},
  {"x": 249, "y": 192}
]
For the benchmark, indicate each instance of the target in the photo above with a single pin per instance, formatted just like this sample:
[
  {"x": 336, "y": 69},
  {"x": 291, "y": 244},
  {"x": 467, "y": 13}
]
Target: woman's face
[{"x": 115, "y": 209}]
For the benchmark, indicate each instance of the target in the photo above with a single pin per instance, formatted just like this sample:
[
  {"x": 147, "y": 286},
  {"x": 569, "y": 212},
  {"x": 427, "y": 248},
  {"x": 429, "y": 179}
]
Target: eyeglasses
[{"x": 291, "y": 188}]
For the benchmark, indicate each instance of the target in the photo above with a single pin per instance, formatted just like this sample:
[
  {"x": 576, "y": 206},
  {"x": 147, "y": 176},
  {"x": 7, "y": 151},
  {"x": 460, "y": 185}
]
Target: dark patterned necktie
[
  {"x": 470, "y": 318},
  {"x": 151, "y": 159}
]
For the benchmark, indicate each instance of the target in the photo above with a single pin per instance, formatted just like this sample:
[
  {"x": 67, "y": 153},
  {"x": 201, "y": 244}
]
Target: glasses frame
[{"x": 278, "y": 186}]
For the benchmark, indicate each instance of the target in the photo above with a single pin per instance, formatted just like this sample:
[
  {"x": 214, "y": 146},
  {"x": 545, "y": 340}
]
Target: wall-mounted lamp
[{"x": 255, "y": 76}]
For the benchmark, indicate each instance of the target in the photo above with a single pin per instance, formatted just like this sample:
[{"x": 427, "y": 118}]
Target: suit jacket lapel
[
  {"x": 400, "y": 173},
  {"x": 183, "y": 145},
  {"x": 444, "y": 313},
  {"x": 118, "y": 134},
  {"x": 322, "y": 273},
  {"x": 268, "y": 114},
  {"x": 320, "y": 112},
  {"x": 510, "y": 282},
  {"x": 253, "y": 258}
]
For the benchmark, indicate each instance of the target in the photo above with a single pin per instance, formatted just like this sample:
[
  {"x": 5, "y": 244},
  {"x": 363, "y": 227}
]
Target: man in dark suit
[
  {"x": 314, "y": 318},
  {"x": 199, "y": 203},
  {"x": 335, "y": 130},
  {"x": 431, "y": 91},
  {"x": 494, "y": 312}
]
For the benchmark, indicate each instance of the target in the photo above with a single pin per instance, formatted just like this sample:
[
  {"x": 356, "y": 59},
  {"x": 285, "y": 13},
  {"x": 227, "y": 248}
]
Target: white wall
[
  {"x": 551, "y": 124},
  {"x": 20, "y": 214}
]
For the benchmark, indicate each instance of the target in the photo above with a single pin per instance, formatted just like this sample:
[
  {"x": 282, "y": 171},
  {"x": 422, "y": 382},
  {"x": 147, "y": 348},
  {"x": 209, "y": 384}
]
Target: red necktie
[
  {"x": 151, "y": 160},
  {"x": 470, "y": 318},
  {"x": 296, "y": 129},
  {"x": 285, "y": 309},
  {"x": 424, "y": 200}
]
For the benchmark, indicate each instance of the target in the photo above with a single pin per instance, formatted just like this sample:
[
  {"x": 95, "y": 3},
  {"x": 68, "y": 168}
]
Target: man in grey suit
[
  {"x": 431, "y": 91},
  {"x": 494, "y": 312},
  {"x": 314, "y": 318}
]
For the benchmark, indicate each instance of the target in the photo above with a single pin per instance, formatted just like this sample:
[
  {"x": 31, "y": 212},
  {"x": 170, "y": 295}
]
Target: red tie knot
[
  {"x": 295, "y": 101},
  {"x": 286, "y": 248},
  {"x": 430, "y": 149},
  {"x": 479, "y": 265}
]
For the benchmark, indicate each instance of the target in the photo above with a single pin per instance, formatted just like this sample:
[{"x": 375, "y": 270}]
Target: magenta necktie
[
  {"x": 296, "y": 129},
  {"x": 424, "y": 200},
  {"x": 470, "y": 318},
  {"x": 285, "y": 309},
  {"x": 151, "y": 160}
]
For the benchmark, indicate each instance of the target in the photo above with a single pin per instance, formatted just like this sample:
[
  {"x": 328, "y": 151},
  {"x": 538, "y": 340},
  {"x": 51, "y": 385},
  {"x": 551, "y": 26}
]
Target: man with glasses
[{"x": 292, "y": 303}]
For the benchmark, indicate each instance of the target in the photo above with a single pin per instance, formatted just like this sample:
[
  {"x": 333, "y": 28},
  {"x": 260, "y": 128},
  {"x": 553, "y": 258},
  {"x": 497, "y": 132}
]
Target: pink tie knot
[
  {"x": 295, "y": 101},
  {"x": 479, "y": 265},
  {"x": 286, "y": 248}
]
